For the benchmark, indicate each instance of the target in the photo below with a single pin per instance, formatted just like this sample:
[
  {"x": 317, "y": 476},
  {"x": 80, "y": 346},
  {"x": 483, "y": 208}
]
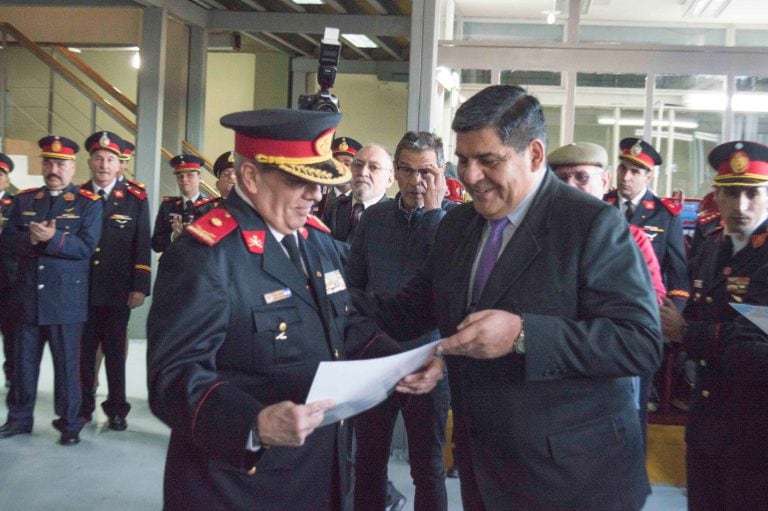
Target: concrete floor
[{"x": 124, "y": 470}]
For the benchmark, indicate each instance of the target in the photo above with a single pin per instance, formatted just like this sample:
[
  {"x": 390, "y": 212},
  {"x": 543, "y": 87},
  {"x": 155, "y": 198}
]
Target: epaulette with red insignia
[
  {"x": 136, "y": 183},
  {"x": 318, "y": 224},
  {"x": 89, "y": 194},
  {"x": 212, "y": 227},
  {"x": 704, "y": 217},
  {"x": 203, "y": 202},
  {"x": 672, "y": 205},
  {"x": 168, "y": 198},
  {"x": 610, "y": 200},
  {"x": 141, "y": 194},
  {"x": 5, "y": 201},
  {"x": 27, "y": 190},
  {"x": 717, "y": 230}
]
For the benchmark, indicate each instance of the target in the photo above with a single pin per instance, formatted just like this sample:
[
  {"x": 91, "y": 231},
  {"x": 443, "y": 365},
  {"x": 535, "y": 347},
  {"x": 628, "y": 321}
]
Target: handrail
[
  {"x": 68, "y": 75},
  {"x": 96, "y": 77}
]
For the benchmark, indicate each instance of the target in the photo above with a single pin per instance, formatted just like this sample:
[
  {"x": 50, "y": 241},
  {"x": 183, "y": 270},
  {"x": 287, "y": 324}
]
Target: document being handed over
[{"x": 357, "y": 385}]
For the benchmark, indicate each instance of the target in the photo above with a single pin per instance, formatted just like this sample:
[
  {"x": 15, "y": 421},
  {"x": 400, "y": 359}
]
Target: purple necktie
[
  {"x": 354, "y": 217},
  {"x": 488, "y": 257}
]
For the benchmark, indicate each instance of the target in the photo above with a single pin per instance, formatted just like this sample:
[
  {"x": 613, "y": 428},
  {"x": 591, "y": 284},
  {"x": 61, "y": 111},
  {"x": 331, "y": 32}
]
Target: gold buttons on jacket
[
  {"x": 283, "y": 326},
  {"x": 705, "y": 393},
  {"x": 336, "y": 354},
  {"x": 96, "y": 262},
  {"x": 98, "y": 249},
  {"x": 252, "y": 471},
  {"x": 703, "y": 363}
]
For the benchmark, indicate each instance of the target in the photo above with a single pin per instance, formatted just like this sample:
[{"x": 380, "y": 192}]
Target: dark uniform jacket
[
  {"x": 556, "y": 428},
  {"x": 717, "y": 280},
  {"x": 161, "y": 236},
  {"x": 233, "y": 328},
  {"x": 337, "y": 215},
  {"x": 122, "y": 261},
  {"x": 745, "y": 364},
  {"x": 7, "y": 258},
  {"x": 660, "y": 221},
  {"x": 52, "y": 280}
]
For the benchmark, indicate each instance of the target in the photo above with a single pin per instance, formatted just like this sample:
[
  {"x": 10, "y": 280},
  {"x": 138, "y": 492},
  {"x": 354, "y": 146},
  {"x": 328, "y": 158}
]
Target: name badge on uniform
[
  {"x": 334, "y": 282},
  {"x": 29, "y": 213},
  {"x": 276, "y": 296},
  {"x": 737, "y": 285},
  {"x": 121, "y": 219}
]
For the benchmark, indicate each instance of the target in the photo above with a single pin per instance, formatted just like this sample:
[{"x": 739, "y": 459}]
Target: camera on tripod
[{"x": 330, "y": 51}]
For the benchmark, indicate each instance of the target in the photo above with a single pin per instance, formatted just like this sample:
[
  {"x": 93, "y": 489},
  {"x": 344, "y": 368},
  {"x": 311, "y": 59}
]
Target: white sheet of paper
[
  {"x": 757, "y": 314},
  {"x": 357, "y": 385}
]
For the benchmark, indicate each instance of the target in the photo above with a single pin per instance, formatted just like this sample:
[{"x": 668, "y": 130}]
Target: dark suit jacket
[
  {"x": 710, "y": 320},
  {"x": 665, "y": 230},
  {"x": 336, "y": 216},
  {"x": 52, "y": 278},
  {"x": 161, "y": 236},
  {"x": 233, "y": 328},
  {"x": 556, "y": 428},
  {"x": 122, "y": 262}
]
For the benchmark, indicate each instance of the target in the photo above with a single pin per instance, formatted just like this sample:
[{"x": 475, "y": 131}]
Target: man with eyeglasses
[
  {"x": 658, "y": 218},
  {"x": 583, "y": 165},
  {"x": 725, "y": 464},
  {"x": 391, "y": 243},
  {"x": 371, "y": 176}
]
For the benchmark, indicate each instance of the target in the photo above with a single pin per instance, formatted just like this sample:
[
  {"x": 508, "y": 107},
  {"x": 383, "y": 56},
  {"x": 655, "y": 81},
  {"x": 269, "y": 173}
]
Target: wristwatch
[{"x": 519, "y": 345}]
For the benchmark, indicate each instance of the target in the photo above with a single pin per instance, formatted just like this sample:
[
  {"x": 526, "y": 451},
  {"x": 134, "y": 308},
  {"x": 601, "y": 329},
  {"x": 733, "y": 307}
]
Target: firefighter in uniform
[
  {"x": 722, "y": 270},
  {"x": 658, "y": 218},
  {"x": 120, "y": 276},
  {"x": 55, "y": 230},
  {"x": 176, "y": 212}
]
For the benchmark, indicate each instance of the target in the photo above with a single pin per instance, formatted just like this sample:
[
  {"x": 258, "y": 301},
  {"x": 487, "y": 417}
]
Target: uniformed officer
[
  {"x": 722, "y": 270},
  {"x": 264, "y": 302},
  {"x": 55, "y": 230},
  {"x": 707, "y": 220},
  {"x": 125, "y": 158},
  {"x": 344, "y": 150},
  {"x": 8, "y": 314},
  {"x": 120, "y": 276},
  {"x": 224, "y": 170},
  {"x": 178, "y": 211},
  {"x": 658, "y": 218}
]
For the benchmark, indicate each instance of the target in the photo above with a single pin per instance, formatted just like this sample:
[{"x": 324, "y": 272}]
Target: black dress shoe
[
  {"x": 10, "y": 429},
  {"x": 118, "y": 423},
  {"x": 70, "y": 438},
  {"x": 395, "y": 500},
  {"x": 58, "y": 424}
]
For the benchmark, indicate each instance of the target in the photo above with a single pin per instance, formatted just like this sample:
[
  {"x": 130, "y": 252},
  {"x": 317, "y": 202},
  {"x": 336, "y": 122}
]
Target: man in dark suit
[
  {"x": 8, "y": 310},
  {"x": 176, "y": 212},
  {"x": 658, "y": 218},
  {"x": 722, "y": 272},
  {"x": 548, "y": 308},
  {"x": 247, "y": 303},
  {"x": 371, "y": 176},
  {"x": 55, "y": 230},
  {"x": 390, "y": 245},
  {"x": 120, "y": 276}
]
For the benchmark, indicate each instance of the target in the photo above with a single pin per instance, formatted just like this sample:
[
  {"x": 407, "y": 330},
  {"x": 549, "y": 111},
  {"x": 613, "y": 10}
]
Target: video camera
[{"x": 330, "y": 51}]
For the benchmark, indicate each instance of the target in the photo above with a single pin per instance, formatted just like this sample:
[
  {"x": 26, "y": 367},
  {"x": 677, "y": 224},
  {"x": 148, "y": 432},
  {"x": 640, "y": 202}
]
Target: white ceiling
[{"x": 663, "y": 12}]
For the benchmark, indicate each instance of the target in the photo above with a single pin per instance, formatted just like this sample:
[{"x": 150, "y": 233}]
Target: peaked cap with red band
[
  {"x": 186, "y": 163},
  {"x": 346, "y": 145},
  {"x": 59, "y": 148},
  {"x": 297, "y": 142},
  {"x": 223, "y": 162},
  {"x": 105, "y": 140},
  {"x": 128, "y": 151},
  {"x": 639, "y": 152},
  {"x": 6, "y": 163},
  {"x": 740, "y": 163}
]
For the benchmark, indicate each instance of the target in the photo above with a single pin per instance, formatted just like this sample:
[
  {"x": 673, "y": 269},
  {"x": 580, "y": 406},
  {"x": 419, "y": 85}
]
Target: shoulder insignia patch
[
  {"x": 707, "y": 216},
  {"x": 7, "y": 202},
  {"x": 168, "y": 198},
  {"x": 202, "y": 202},
  {"x": 27, "y": 190},
  {"x": 141, "y": 194},
  {"x": 89, "y": 194},
  {"x": 716, "y": 231},
  {"x": 318, "y": 224},
  {"x": 672, "y": 205},
  {"x": 254, "y": 240},
  {"x": 136, "y": 183},
  {"x": 212, "y": 227},
  {"x": 610, "y": 200},
  {"x": 649, "y": 204}
]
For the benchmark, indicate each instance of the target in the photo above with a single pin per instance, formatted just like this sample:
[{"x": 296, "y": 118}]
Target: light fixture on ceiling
[
  {"x": 742, "y": 101},
  {"x": 637, "y": 121},
  {"x": 309, "y": 2},
  {"x": 360, "y": 40},
  {"x": 705, "y": 8},
  {"x": 551, "y": 14},
  {"x": 75, "y": 50}
]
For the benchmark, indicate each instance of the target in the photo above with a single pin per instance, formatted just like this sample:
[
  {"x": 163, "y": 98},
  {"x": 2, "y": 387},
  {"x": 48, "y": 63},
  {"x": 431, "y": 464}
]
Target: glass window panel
[
  {"x": 552, "y": 117},
  {"x": 485, "y": 31},
  {"x": 612, "y": 80},
  {"x": 666, "y": 35},
  {"x": 525, "y": 78},
  {"x": 750, "y": 105},
  {"x": 745, "y": 37},
  {"x": 475, "y": 76}
]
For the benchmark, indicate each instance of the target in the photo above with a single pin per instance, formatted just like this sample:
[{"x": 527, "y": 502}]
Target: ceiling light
[
  {"x": 742, "y": 102},
  {"x": 309, "y": 2},
  {"x": 75, "y": 50},
  {"x": 551, "y": 14},
  {"x": 360, "y": 40},
  {"x": 637, "y": 121}
]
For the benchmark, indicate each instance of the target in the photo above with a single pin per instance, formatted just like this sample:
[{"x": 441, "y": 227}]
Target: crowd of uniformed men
[{"x": 554, "y": 304}]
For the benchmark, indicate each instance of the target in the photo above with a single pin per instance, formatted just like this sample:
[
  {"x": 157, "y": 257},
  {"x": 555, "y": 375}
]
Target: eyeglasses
[
  {"x": 581, "y": 177},
  {"x": 408, "y": 172},
  {"x": 359, "y": 165}
]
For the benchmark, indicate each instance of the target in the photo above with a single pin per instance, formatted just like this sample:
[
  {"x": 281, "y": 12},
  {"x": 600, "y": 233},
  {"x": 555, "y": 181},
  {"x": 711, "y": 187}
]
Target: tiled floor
[{"x": 123, "y": 471}]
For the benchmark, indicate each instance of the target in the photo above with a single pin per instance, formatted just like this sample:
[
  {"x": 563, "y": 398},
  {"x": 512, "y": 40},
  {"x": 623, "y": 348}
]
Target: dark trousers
[
  {"x": 106, "y": 327},
  {"x": 715, "y": 484},
  {"x": 9, "y": 321},
  {"x": 64, "y": 342},
  {"x": 471, "y": 500},
  {"x": 425, "y": 417}
]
